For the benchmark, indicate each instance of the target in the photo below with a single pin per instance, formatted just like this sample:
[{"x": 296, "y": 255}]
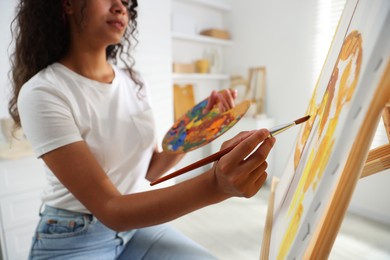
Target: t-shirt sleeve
[{"x": 46, "y": 119}]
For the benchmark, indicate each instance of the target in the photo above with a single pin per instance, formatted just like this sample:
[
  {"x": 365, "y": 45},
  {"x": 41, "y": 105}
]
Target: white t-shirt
[{"x": 58, "y": 107}]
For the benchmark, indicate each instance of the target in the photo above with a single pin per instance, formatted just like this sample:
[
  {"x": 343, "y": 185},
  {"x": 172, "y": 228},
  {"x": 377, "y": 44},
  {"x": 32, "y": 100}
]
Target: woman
[{"x": 91, "y": 124}]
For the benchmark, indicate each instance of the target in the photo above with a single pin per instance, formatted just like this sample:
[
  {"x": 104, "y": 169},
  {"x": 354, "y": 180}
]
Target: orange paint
[{"x": 339, "y": 92}]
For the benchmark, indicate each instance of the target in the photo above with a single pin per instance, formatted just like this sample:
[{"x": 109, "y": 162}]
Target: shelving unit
[
  {"x": 211, "y": 4},
  {"x": 201, "y": 39},
  {"x": 189, "y": 45},
  {"x": 198, "y": 76}
]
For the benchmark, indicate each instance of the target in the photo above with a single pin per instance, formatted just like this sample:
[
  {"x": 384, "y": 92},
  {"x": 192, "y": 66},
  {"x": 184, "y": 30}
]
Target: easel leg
[
  {"x": 386, "y": 119},
  {"x": 379, "y": 158},
  {"x": 264, "y": 254}
]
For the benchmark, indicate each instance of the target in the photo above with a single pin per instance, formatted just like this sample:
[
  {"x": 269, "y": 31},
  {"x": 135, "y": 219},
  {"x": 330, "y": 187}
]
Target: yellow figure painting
[{"x": 339, "y": 92}]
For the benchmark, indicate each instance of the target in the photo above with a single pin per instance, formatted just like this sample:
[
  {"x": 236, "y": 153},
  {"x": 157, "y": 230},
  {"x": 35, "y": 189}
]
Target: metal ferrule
[{"x": 280, "y": 128}]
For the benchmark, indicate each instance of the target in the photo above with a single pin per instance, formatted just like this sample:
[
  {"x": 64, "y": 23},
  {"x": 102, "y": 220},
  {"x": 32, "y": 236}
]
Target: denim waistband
[{"x": 49, "y": 210}]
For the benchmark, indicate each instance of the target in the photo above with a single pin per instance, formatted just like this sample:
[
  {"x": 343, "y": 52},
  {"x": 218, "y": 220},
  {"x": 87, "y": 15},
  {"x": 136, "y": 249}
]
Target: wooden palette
[{"x": 195, "y": 128}]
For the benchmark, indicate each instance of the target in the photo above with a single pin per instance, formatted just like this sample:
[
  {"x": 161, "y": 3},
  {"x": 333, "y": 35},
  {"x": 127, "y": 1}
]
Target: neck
[{"x": 89, "y": 63}]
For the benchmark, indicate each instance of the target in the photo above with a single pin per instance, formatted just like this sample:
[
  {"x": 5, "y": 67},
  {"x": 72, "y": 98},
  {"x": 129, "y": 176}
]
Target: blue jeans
[{"x": 63, "y": 234}]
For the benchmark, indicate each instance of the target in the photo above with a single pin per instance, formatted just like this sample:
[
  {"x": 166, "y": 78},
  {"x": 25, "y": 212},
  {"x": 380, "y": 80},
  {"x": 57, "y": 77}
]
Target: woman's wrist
[{"x": 211, "y": 182}]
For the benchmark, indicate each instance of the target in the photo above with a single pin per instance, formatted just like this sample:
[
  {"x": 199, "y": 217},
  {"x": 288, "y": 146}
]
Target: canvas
[{"x": 314, "y": 191}]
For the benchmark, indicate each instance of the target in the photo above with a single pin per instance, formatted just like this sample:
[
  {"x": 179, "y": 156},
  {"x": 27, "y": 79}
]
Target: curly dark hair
[{"x": 42, "y": 36}]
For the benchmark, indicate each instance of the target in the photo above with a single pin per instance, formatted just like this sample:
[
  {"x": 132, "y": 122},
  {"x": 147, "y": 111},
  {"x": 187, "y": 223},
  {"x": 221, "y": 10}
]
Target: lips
[{"x": 117, "y": 24}]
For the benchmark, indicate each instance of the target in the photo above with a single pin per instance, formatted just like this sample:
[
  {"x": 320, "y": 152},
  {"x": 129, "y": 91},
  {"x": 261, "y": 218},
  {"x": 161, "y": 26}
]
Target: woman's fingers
[
  {"x": 261, "y": 153},
  {"x": 239, "y": 174},
  {"x": 249, "y": 184},
  {"x": 212, "y": 100},
  {"x": 260, "y": 182},
  {"x": 246, "y": 146},
  {"x": 227, "y": 99},
  {"x": 224, "y": 99},
  {"x": 236, "y": 139}
]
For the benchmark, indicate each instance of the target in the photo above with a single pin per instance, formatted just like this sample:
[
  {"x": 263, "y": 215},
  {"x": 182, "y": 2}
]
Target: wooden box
[
  {"x": 216, "y": 33},
  {"x": 183, "y": 68}
]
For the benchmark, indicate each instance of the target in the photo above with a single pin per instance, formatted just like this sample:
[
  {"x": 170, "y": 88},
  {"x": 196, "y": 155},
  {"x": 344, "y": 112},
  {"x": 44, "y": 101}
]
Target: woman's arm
[
  {"x": 161, "y": 162},
  {"x": 75, "y": 166}
]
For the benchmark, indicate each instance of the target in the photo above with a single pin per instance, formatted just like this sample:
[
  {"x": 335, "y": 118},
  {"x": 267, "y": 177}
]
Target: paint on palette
[{"x": 195, "y": 128}]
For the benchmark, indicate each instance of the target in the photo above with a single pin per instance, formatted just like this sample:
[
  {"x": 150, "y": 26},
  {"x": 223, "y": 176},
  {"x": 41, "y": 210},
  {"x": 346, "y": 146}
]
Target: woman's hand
[
  {"x": 238, "y": 174},
  {"x": 224, "y": 99}
]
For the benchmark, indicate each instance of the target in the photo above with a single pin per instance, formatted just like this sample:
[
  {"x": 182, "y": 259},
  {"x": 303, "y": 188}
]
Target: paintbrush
[
  {"x": 281, "y": 128},
  {"x": 216, "y": 156}
]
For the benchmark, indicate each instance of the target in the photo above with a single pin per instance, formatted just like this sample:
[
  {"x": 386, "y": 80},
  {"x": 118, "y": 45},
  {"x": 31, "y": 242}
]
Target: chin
[{"x": 115, "y": 42}]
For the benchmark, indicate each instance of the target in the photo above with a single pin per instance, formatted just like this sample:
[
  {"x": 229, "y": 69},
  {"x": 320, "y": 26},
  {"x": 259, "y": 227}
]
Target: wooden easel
[
  {"x": 254, "y": 87},
  {"x": 377, "y": 161},
  {"x": 379, "y": 158}
]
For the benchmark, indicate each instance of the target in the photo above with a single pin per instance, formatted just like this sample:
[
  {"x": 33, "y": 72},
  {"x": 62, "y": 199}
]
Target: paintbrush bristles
[{"x": 301, "y": 120}]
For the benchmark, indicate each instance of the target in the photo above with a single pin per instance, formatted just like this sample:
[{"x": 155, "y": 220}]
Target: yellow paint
[
  {"x": 289, "y": 238},
  {"x": 304, "y": 135},
  {"x": 305, "y": 175},
  {"x": 338, "y": 93}
]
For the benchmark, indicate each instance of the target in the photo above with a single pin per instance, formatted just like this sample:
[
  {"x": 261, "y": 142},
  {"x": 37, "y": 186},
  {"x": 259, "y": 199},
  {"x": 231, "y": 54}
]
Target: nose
[{"x": 118, "y": 7}]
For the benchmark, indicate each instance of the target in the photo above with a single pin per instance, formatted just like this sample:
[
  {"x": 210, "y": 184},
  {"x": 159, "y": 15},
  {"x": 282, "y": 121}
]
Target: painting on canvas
[{"x": 349, "y": 95}]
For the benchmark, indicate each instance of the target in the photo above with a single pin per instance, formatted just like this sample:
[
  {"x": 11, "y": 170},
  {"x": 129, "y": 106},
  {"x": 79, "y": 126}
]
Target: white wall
[
  {"x": 278, "y": 35},
  {"x": 371, "y": 197},
  {"x": 6, "y": 16},
  {"x": 154, "y": 58}
]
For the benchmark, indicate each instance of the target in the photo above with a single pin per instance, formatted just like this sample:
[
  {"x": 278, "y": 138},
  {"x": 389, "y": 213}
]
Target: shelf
[
  {"x": 201, "y": 39},
  {"x": 197, "y": 76},
  {"x": 210, "y": 3}
]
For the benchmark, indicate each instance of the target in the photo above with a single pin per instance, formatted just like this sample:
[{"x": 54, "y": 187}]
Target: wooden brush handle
[{"x": 195, "y": 165}]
